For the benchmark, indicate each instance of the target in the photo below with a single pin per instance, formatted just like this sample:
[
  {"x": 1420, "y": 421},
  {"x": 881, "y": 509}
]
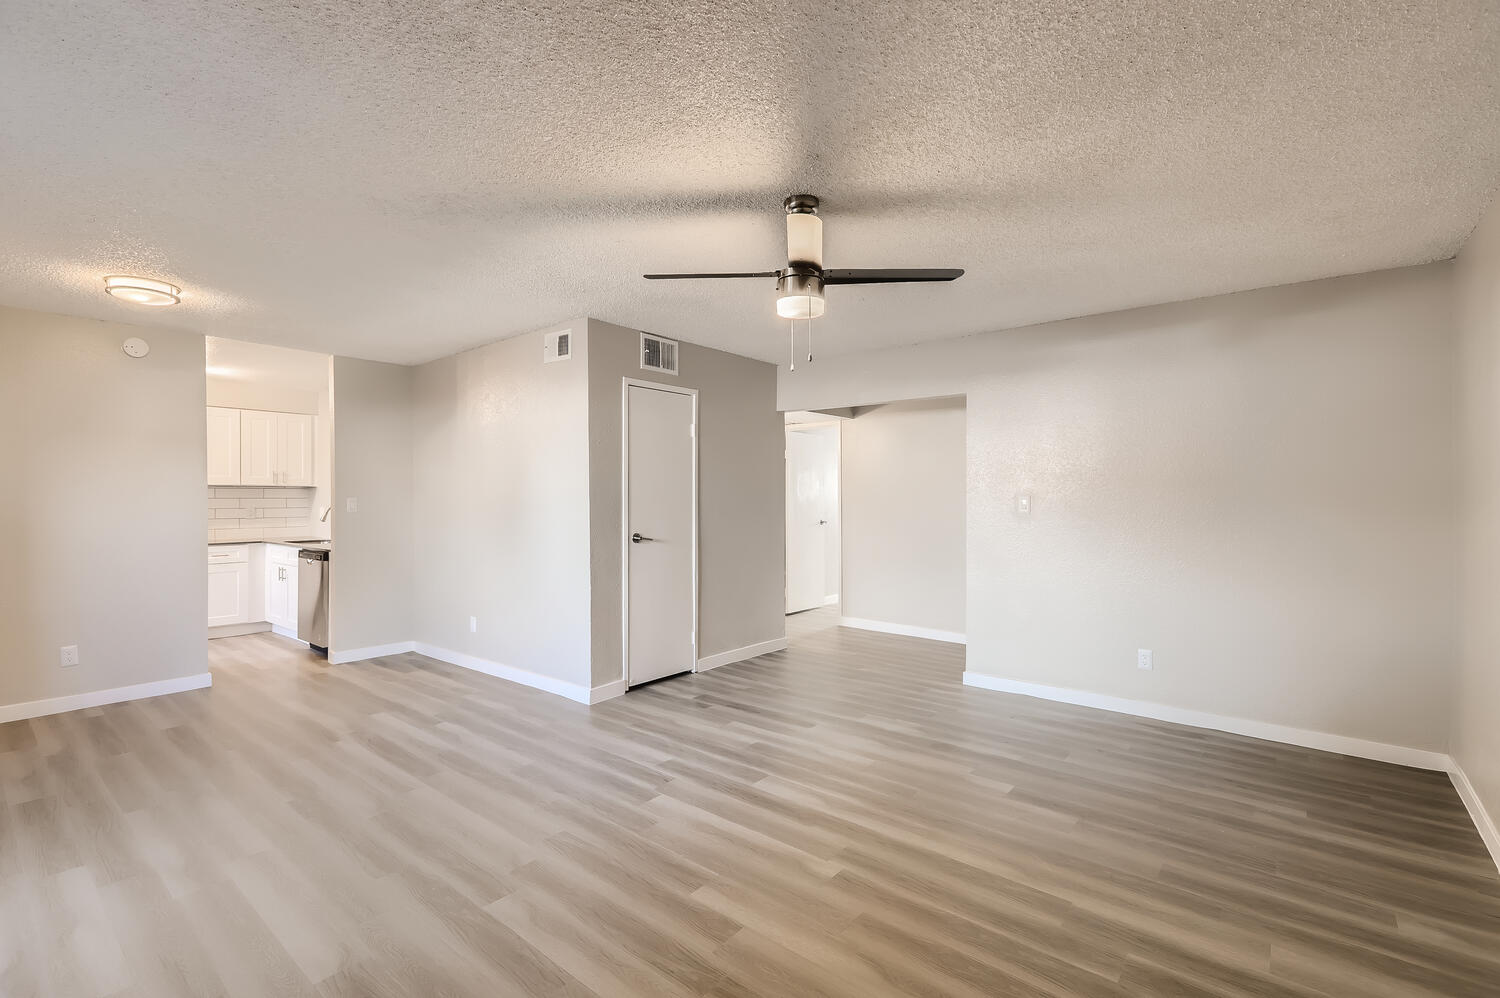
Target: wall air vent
[
  {"x": 658, "y": 354},
  {"x": 557, "y": 346}
]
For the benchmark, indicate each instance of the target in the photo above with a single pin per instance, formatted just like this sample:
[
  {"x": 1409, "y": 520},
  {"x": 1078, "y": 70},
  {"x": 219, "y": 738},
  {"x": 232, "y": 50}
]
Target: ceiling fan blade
[
  {"x": 691, "y": 277},
  {"x": 910, "y": 276}
]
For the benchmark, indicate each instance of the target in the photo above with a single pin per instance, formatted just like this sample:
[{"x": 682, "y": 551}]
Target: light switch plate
[
  {"x": 1023, "y": 504},
  {"x": 351, "y": 505}
]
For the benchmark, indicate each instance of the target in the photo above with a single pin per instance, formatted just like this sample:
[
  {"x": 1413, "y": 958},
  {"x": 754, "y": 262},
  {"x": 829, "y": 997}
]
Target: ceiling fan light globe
[{"x": 800, "y": 306}]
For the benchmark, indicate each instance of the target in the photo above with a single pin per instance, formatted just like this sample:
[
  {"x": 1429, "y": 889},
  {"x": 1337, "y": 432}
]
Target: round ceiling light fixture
[{"x": 142, "y": 291}]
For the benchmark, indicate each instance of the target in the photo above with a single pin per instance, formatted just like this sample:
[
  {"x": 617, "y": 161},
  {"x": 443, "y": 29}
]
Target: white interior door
[
  {"x": 660, "y": 534},
  {"x": 809, "y": 459}
]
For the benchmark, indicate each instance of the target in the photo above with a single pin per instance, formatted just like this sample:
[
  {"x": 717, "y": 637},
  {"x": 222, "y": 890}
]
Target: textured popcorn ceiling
[{"x": 400, "y": 180}]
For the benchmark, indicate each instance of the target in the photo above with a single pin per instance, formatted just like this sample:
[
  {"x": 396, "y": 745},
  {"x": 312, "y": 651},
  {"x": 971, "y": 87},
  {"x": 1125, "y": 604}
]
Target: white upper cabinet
[
  {"x": 223, "y": 446},
  {"x": 252, "y": 447},
  {"x": 258, "y": 448},
  {"x": 294, "y": 448}
]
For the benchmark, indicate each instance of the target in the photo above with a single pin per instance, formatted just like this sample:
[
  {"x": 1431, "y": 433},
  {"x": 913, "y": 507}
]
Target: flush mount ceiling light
[
  {"x": 799, "y": 288},
  {"x": 142, "y": 291}
]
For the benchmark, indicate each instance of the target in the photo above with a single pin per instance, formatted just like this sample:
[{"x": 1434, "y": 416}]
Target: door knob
[
  {"x": 822, "y": 522},
  {"x": 637, "y": 538}
]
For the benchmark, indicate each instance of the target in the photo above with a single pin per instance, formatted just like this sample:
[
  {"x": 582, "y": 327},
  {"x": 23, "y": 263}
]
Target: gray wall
[
  {"x": 502, "y": 505},
  {"x": 103, "y": 512},
  {"x": 1476, "y": 734},
  {"x": 1260, "y": 487},
  {"x": 741, "y": 507},
  {"x": 371, "y": 599},
  {"x": 903, "y": 503}
]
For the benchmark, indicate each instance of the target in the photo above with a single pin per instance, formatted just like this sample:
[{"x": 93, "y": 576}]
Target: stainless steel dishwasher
[{"x": 312, "y": 598}]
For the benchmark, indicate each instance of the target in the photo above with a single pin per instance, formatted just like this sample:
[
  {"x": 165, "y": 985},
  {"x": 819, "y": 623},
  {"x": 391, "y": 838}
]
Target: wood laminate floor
[{"x": 843, "y": 818}]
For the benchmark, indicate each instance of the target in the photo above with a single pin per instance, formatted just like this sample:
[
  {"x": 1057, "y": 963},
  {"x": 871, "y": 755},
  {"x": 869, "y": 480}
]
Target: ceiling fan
[{"x": 799, "y": 287}]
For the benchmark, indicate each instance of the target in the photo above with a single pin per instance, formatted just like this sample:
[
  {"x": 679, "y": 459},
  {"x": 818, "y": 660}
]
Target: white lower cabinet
[
  {"x": 228, "y": 585},
  {"x": 250, "y": 583},
  {"x": 281, "y": 586}
]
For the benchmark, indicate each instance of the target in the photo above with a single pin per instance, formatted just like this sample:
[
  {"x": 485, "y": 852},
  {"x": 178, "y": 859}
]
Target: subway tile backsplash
[{"x": 248, "y": 514}]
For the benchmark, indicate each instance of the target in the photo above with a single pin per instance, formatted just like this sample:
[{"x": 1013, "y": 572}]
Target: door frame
[
  {"x": 837, "y": 426},
  {"x": 625, "y": 385}
]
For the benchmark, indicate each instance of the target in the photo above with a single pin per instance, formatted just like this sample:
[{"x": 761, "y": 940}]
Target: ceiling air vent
[
  {"x": 557, "y": 346},
  {"x": 658, "y": 354}
]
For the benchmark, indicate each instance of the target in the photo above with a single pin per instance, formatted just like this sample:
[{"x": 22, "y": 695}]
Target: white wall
[
  {"x": 1260, "y": 487},
  {"x": 372, "y": 566},
  {"x": 1476, "y": 733},
  {"x": 502, "y": 506},
  {"x": 102, "y": 516},
  {"x": 741, "y": 509},
  {"x": 903, "y": 474},
  {"x": 238, "y": 393}
]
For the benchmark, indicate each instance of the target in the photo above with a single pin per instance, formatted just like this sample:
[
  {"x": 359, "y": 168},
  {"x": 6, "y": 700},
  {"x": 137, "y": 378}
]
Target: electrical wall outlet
[
  {"x": 1143, "y": 658},
  {"x": 1023, "y": 504},
  {"x": 69, "y": 656},
  {"x": 473, "y": 625}
]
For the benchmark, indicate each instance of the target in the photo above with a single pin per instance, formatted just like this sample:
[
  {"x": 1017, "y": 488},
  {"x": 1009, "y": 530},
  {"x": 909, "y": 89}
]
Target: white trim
[
  {"x": 237, "y": 630},
  {"x": 1342, "y": 744},
  {"x": 831, "y": 600},
  {"x": 286, "y": 632},
  {"x": 741, "y": 654},
  {"x": 625, "y": 385},
  {"x": 930, "y": 633},
  {"x": 374, "y": 651},
  {"x": 607, "y": 691},
  {"x": 537, "y": 681},
  {"x": 1482, "y": 819},
  {"x": 98, "y": 698}
]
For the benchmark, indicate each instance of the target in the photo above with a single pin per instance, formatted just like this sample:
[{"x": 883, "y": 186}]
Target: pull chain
[
  {"x": 809, "y": 340},
  {"x": 792, "y": 342}
]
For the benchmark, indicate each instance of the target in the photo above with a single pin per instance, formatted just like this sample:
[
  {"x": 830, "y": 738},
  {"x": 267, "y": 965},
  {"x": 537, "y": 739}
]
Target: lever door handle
[{"x": 637, "y": 538}]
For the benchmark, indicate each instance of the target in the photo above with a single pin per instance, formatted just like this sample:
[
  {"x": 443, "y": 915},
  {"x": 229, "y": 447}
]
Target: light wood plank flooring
[{"x": 843, "y": 818}]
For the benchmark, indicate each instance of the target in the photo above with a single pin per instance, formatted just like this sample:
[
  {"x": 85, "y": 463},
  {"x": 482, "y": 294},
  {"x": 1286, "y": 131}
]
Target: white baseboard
[
  {"x": 1379, "y": 751},
  {"x": 608, "y": 691},
  {"x": 831, "y": 600},
  {"x": 98, "y": 698},
  {"x": 740, "y": 654},
  {"x": 235, "y": 630},
  {"x": 285, "y": 632},
  {"x": 1482, "y": 818},
  {"x": 347, "y": 655},
  {"x": 537, "y": 681},
  {"x": 931, "y": 634}
]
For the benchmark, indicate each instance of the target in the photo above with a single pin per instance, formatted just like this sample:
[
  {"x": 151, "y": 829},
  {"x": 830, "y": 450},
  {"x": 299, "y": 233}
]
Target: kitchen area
[{"x": 269, "y": 490}]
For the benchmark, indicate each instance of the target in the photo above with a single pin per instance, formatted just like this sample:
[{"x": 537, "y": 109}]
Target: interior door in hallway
[
  {"x": 811, "y": 477},
  {"x": 660, "y": 543}
]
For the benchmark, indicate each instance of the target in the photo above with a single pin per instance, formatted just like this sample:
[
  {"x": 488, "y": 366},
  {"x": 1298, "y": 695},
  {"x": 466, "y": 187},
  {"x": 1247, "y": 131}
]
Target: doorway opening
[
  {"x": 270, "y": 486},
  {"x": 875, "y": 519}
]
